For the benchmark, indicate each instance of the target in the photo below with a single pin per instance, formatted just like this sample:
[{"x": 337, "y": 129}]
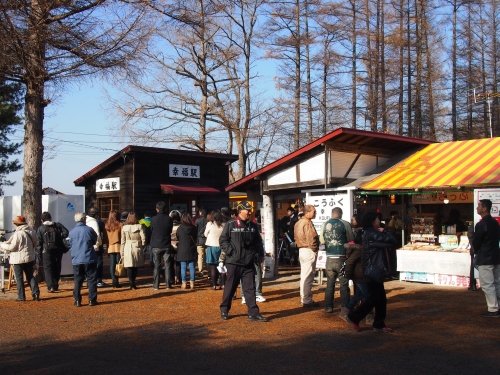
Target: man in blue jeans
[
  {"x": 335, "y": 233},
  {"x": 84, "y": 259}
]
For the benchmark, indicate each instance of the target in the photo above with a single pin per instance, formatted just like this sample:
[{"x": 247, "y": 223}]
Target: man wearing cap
[
  {"x": 82, "y": 239},
  {"x": 307, "y": 241},
  {"x": 241, "y": 244},
  {"x": 21, "y": 247}
]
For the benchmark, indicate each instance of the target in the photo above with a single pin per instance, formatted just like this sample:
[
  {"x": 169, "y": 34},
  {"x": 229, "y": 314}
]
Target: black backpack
[{"x": 51, "y": 239}]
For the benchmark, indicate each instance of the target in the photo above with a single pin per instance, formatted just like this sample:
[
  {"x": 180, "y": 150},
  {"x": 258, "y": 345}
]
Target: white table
[{"x": 434, "y": 262}]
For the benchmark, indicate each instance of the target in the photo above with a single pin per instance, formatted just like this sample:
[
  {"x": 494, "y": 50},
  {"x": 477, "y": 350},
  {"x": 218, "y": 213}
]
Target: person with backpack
[{"x": 50, "y": 249}]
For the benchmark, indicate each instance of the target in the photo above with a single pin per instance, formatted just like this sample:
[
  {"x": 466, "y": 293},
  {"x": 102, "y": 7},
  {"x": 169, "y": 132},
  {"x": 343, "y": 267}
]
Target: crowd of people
[{"x": 231, "y": 244}]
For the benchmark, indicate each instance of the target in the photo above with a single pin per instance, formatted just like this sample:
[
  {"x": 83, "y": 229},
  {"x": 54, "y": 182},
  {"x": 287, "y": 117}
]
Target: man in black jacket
[
  {"x": 50, "y": 250},
  {"x": 241, "y": 244},
  {"x": 161, "y": 230},
  {"x": 485, "y": 245}
]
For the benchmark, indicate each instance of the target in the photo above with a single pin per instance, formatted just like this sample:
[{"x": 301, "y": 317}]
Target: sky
[
  {"x": 77, "y": 132},
  {"x": 80, "y": 132}
]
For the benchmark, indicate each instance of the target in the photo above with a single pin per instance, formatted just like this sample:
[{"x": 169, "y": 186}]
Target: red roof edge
[{"x": 321, "y": 140}]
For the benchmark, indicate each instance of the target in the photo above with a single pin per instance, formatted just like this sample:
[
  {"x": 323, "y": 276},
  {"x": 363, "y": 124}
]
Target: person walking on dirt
[
  {"x": 21, "y": 248},
  {"x": 50, "y": 249},
  {"x": 485, "y": 245},
  {"x": 307, "y": 241},
  {"x": 93, "y": 221},
  {"x": 335, "y": 233},
  {"x": 375, "y": 241},
  {"x": 241, "y": 244},
  {"x": 82, "y": 239}
]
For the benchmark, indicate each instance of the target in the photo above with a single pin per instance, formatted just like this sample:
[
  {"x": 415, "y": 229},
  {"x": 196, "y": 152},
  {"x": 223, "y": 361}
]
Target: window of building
[{"x": 108, "y": 204}]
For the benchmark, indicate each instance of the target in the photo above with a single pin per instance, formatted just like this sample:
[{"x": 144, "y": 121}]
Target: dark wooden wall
[{"x": 141, "y": 175}]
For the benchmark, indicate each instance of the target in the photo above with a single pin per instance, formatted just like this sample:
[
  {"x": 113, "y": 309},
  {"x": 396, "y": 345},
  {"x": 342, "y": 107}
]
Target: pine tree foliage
[{"x": 10, "y": 105}]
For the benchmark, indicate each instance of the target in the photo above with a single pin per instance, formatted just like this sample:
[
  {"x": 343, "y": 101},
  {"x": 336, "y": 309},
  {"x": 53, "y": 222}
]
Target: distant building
[
  {"x": 136, "y": 177},
  {"x": 50, "y": 191}
]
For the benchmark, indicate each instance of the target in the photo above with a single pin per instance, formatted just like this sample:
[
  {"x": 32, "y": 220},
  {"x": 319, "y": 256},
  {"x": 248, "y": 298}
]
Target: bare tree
[{"x": 53, "y": 41}]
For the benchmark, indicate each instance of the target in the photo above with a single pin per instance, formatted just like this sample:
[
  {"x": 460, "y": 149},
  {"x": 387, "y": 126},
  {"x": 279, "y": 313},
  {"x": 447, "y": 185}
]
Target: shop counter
[{"x": 436, "y": 267}]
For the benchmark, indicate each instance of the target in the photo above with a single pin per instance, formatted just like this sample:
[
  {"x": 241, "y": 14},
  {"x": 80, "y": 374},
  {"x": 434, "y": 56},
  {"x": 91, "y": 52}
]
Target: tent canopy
[{"x": 473, "y": 163}]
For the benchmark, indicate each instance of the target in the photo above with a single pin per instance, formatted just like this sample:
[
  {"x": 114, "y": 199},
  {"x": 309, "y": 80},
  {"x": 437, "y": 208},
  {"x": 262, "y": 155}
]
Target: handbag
[
  {"x": 375, "y": 269},
  {"x": 120, "y": 270}
]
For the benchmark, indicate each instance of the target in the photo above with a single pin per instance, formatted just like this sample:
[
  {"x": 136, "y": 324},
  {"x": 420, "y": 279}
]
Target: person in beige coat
[
  {"x": 113, "y": 231},
  {"x": 132, "y": 243},
  {"x": 307, "y": 241},
  {"x": 21, "y": 249}
]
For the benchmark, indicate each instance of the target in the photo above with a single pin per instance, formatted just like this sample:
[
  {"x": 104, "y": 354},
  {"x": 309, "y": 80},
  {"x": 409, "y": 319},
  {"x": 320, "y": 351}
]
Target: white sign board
[
  {"x": 107, "y": 184},
  {"x": 324, "y": 205},
  {"x": 493, "y": 195},
  {"x": 183, "y": 171}
]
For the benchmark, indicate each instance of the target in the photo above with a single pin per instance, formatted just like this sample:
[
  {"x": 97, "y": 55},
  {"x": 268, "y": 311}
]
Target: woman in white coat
[
  {"x": 132, "y": 243},
  {"x": 21, "y": 248}
]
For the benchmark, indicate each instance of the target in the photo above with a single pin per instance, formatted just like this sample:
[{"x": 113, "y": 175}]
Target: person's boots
[
  {"x": 343, "y": 313},
  {"x": 191, "y": 284},
  {"x": 183, "y": 286}
]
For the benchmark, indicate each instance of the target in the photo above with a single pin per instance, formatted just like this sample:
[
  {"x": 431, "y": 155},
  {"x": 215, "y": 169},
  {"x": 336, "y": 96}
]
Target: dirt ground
[{"x": 438, "y": 330}]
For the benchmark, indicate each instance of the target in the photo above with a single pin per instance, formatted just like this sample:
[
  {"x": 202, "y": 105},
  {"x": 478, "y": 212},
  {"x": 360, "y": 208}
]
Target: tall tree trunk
[
  {"x": 324, "y": 84},
  {"x": 354, "y": 81},
  {"x": 308, "y": 75},
  {"x": 376, "y": 71},
  {"x": 34, "y": 111},
  {"x": 369, "y": 68},
  {"x": 484, "y": 73},
  {"x": 495, "y": 108},
  {"x": 33, "y": 152},
  {"x": 429, "y": 73},
  {"x": 383, "y": 98},
  {"x": 418, "y": 83},
  {"x": 204, "y": 83},
  {"x": 298, "y": 42},
  {"x": 408, "y": 71},
  {"x": 470, "y": 78},
  {"x": 401, "y": 69},
  {"x": 454, "y": 130}
]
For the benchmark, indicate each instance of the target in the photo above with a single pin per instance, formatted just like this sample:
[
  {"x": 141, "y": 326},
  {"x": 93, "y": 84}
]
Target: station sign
[
  {"x": 107, "y": 184},
  {"x": 183, "y": 171}
]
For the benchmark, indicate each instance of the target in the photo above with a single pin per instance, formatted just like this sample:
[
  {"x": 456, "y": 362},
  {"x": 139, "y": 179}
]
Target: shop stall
[{"x": 438, "y": 181}]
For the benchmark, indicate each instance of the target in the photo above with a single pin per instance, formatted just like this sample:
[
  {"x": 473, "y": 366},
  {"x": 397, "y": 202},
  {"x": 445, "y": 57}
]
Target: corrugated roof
[{"x": 470, "y": 163}]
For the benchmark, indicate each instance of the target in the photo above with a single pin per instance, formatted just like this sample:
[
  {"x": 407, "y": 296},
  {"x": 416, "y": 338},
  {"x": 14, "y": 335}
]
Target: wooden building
[
  {"x": 136, "y": 177},
  {"x": 325, "y": 173}
]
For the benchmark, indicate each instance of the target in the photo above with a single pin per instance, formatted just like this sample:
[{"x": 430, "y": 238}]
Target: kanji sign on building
[
  {"x": 324, "y": 205},
  {"x": 107, "y": 184},
  {"x": 184, "y": 171}
]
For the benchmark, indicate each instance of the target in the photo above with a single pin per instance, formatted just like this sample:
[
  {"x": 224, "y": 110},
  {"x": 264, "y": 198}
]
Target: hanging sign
[
  {"x": 438, "y": 198},
  {"x": 183, "y": 171},
  {"x": 107, "y": 184},
  {"x": 324, "y": 205}
]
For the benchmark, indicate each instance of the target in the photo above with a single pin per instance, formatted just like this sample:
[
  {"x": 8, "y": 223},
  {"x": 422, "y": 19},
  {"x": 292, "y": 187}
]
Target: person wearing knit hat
[{"x": 21, "y": 248}]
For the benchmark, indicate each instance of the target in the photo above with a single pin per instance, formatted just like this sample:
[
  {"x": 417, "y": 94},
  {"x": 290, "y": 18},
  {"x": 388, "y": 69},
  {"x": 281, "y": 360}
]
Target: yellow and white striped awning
[{"x": 473, "y": 163}]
